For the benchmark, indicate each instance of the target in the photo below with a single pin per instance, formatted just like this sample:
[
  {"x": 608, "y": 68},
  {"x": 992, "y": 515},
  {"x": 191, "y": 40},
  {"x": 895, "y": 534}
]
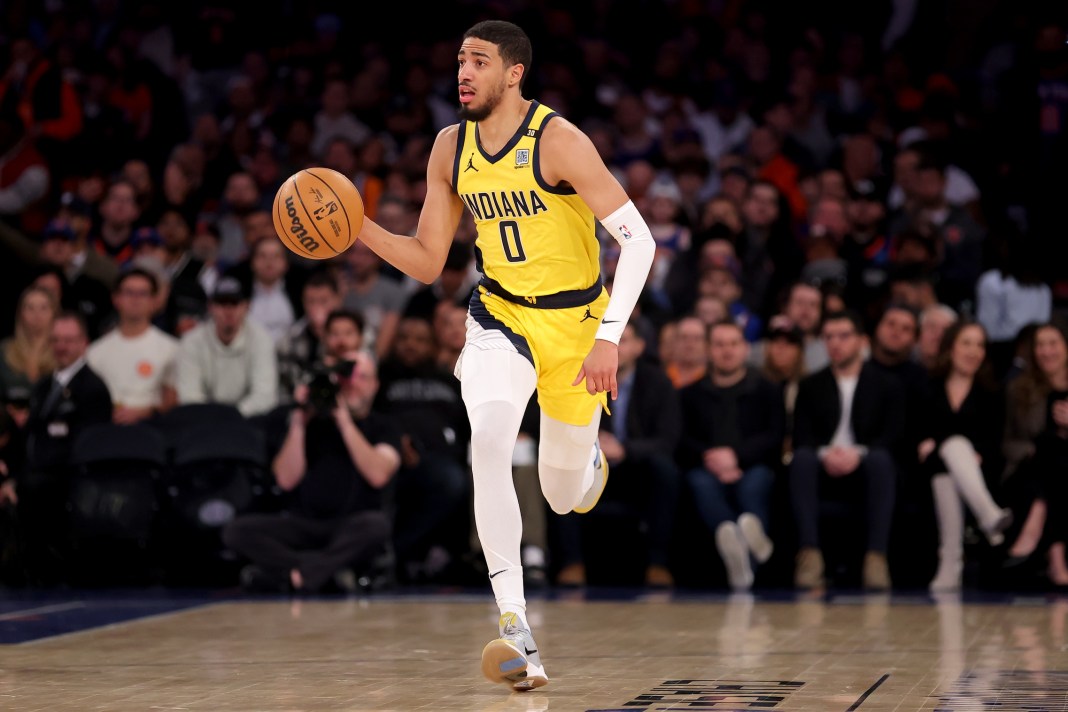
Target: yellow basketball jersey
[{"x": 534, "y": 239}]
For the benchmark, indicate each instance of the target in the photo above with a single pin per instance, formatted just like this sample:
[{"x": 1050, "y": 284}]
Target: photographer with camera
[{"x": 337, "y": 456}]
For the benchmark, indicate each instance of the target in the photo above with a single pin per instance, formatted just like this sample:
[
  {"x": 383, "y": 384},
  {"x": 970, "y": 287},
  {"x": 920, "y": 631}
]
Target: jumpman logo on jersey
[
  {"x": 471, "y": 164},
  {"x": 587, "y": 315}
]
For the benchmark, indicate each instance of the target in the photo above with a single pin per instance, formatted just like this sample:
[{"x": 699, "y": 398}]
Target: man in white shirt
[
  {"x": 229, "y": 358},
  {"x": 271, "y": 306},
  {"x": 136, "y": 359}
]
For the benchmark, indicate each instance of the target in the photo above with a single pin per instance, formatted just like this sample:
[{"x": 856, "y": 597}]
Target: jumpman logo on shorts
[
  {"x": 587, "y": 315},
  {"x": 471, "y": 164}
]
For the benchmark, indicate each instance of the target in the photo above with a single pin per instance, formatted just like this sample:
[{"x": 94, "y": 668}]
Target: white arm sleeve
[{"x": 637, "y": 248}]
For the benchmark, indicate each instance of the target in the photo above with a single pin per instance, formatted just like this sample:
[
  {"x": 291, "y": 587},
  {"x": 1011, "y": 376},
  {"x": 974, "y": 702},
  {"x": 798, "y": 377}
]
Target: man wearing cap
[
  {"x": 229, "y": 358},
  {"x": 82, "y": 292},
  {"x": 78, "y": 213}
]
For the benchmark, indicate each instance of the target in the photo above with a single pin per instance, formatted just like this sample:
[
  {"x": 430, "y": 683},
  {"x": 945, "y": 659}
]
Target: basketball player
[{"x": 540, "y": 317}]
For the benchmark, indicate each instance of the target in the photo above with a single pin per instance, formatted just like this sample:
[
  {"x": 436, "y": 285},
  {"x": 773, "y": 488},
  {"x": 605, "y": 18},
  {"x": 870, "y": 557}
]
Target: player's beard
[{"x": 492, "y": 100}]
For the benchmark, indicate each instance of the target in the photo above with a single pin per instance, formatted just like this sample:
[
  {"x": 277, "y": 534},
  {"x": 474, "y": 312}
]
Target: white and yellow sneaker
[
  {"x": 600, "y": 479},
  {"x": 513, "y": 657}
]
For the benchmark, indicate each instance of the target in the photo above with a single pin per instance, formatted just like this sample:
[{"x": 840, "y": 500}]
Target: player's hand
[{"x": 599, "y": 369}]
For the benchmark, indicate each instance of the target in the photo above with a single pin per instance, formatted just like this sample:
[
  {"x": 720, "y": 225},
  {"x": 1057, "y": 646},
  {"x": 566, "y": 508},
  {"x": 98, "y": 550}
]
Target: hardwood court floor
[{"x": 652, "y": 652}]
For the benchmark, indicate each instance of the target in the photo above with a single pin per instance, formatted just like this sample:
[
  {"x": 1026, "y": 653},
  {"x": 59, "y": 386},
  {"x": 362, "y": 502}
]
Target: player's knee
[{"x": 559, "y": 503}]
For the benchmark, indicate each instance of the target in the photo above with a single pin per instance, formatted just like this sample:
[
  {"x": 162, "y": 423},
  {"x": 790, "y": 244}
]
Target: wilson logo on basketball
[{"x": 298, "y": 229}]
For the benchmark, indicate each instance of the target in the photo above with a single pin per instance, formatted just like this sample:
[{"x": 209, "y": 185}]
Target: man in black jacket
[
  {"x": 638, "y": 439},
  {"x": 847, "y": 421},
  {"x": 62, "y": 405},
  {"x": 735, "y": 425}
]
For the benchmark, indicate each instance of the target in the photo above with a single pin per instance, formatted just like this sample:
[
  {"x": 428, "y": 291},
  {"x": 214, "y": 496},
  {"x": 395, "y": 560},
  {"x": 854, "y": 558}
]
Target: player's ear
[{"x": 516, "y": 73}]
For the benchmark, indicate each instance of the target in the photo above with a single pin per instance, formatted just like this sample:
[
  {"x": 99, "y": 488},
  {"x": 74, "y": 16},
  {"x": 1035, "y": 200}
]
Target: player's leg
[
  {"x": 496, "y": 385},
  {"x": 573, "y": 471}
]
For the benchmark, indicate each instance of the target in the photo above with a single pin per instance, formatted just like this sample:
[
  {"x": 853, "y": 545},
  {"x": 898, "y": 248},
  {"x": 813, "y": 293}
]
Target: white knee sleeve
[{"x": 564, "y": 461}]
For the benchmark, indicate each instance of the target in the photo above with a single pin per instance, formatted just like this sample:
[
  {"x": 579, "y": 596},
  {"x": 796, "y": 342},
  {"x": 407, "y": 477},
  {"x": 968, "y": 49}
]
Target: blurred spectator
[
  {"x": 450, "y": 332},
  {"x": 275, "y": 287},
  {"x": 41, "y": 96},
  {"x": 61, "y": 407},
  {"x": 723, "y": 126},
  {"x": 302, "y": 344},
  {"x": 722, "y": 279},
  {"x": 136, "y": 359},
  {"x": 672, "y": 237},
  {"x": 1034, "y": 451},
  {"x": 784, "y": 365},
  {"x": 454, "y": 284},
  {"x": 688, "y": 360},
  {"x": 27, "y": 355},
  {"x": 25, "y": 178},
  {"x": 638, "y": 438},
  {"x": 77, "y": 213},
  {"x": 804, "y": 309},
  {"x": 343, "y": 332},
  {"x": 771, "y": 165},
  {"x": 229, "y": 358},
  {"x": 118, "y": 215},
  {"x": 892, "y": 346},
  {"x": 963, "y": 422},
  {"x": 934, "y": 320},
  {"x": 1009, "y": 296},
  {"x": 76, "y": 289},
  {"x": 379, "y": 298},
  {"x": 205, "y": 248},
  {"x": 336, "y": 458},
  {"x": 424, "y": 402},
  {"x": 240, "y": 197},
  {"x": 335, "y": 119},
  {"x": 959, "y": 188},
  {"x": 958, "y": 237},
  {"x": 733, "y": 430},
  {"x": 847, "y": 421},
  {"x": 187, "y": 302}
]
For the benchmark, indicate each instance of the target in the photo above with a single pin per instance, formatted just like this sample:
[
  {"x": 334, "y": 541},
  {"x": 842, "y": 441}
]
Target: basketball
[{"x": 318, "y": 213}]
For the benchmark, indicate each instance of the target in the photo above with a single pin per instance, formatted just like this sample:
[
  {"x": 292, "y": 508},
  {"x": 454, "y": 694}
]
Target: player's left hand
[{"x": 599, "y": 369}]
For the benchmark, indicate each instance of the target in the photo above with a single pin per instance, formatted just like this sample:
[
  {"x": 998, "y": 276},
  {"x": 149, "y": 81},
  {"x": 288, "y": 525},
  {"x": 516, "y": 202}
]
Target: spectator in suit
[
  {"x": 136, "y": 359},
  {"x": 734, "y": 422},
  {"x": 336, "y": 464},
  {"x": 963, "y": 420},
  {"x": 61, "y": 407},
  {"x": 847, "y": 423},
  {"x": 229, "y": 358},
  {"x": 638, "y": 439}
]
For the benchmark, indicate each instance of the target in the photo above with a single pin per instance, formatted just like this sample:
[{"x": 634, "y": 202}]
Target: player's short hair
[{"x": 512, "y": 42}]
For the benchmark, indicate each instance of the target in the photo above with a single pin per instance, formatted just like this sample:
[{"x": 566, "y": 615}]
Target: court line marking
[
  {"x": 863, "y": 697},
  {"x": 54, "y": 608},
  {"x": 118, "y": 624}
]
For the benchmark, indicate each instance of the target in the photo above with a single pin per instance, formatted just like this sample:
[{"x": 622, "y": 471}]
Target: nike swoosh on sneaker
[{"x": 528, "y": 651}]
